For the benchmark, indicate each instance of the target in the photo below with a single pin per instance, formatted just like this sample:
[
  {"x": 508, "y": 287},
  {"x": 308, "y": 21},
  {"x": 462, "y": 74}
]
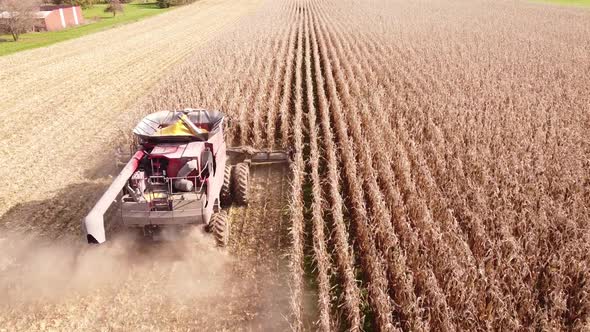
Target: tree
[
  {"x": 114, "y": 7},
  {"x": 81, "y": 3},
  {"x": 169, "y": 3},
  {"x": 18, "y": 16}
]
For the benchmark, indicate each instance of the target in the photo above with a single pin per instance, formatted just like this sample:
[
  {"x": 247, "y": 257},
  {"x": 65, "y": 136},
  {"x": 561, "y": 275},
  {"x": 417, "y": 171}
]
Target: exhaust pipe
[{"x": 94, "y": 221}]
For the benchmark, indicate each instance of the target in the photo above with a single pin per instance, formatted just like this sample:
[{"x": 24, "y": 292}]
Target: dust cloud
[
  {"x": 35, "y": 270},
  {"x": 50, "y": 279}
]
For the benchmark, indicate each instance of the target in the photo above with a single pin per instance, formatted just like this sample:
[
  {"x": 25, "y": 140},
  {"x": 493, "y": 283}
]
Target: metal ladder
[{"x": 158, "y": 188}]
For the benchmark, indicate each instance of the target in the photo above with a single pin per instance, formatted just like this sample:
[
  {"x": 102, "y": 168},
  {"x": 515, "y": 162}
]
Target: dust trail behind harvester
[
  {"x": 34, "y": 272},
  {"x": 53, "y": 273},
  {"x": 124, "y": 284},
  {"x": 59, "y": 282}
]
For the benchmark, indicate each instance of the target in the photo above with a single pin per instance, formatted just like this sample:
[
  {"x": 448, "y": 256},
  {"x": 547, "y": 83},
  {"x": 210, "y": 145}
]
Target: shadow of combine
[
  {"x": 61, "y": 215},
  {"x": 105, "y": 169},
  {"x": 58, "y": 221},
  {"x": 56, "y": 217}
]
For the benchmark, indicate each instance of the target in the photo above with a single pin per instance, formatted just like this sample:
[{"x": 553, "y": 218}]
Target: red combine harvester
[{"x": 182, "y": 174}]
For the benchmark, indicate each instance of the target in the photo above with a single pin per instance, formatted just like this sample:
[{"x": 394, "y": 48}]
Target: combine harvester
[{"x": 182, "y": 174}]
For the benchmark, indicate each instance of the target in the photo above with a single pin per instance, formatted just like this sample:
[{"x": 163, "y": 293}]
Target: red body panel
[
  {"x": 174, "y": 165},
  {"x": 168, "y": 151},
  {"x": 178, "y": 154}
]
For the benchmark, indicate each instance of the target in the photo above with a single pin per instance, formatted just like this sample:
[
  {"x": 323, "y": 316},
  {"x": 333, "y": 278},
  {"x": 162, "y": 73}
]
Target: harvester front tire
[
  {"x": 225, "y": 194},
  {"x": 219, "y": 227},
  {"x": 241, "y": 179}
]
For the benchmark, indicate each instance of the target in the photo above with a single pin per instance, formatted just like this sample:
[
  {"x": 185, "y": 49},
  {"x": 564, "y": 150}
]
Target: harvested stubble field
[{"x": 441, "y": 180}]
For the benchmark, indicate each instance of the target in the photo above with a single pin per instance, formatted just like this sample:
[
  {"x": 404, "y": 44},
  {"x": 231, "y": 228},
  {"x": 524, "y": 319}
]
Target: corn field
[{"x": 441, "y": 173}]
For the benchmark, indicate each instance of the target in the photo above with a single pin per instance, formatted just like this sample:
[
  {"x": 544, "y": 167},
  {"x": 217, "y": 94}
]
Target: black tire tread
[
  {"x": 226, "y": 195},
  {"x": 241, "y": 177},
  {"x": 219, "y": 227}
]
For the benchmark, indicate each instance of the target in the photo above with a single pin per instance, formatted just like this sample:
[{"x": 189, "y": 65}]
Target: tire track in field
[{"x": 255, "y": 243}]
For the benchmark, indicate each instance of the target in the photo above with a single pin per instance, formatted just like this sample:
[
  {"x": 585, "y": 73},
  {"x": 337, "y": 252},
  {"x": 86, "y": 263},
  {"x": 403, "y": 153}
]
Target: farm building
[{"x": 53, "y": 18}]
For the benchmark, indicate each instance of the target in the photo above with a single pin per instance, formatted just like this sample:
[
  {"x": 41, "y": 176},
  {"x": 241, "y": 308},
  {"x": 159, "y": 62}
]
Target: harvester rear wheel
[
  {"x": 219, "y": 227},
  {"x": 225, "y": 194},
  {"x": 241, "y": 178}
]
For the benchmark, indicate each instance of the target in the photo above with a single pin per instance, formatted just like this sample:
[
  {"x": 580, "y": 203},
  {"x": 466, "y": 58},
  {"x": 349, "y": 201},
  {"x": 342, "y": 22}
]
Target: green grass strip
[
  {"x": 95, "y": 20},
  {"x": 575, "y": 3}
]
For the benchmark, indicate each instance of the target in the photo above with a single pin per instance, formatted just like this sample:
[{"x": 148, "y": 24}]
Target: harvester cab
[{"x": 182, "y": 174}]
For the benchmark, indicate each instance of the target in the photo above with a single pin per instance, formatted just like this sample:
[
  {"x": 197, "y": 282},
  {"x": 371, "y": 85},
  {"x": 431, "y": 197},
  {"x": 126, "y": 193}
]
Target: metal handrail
[{"x": 169, "y": 181}]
